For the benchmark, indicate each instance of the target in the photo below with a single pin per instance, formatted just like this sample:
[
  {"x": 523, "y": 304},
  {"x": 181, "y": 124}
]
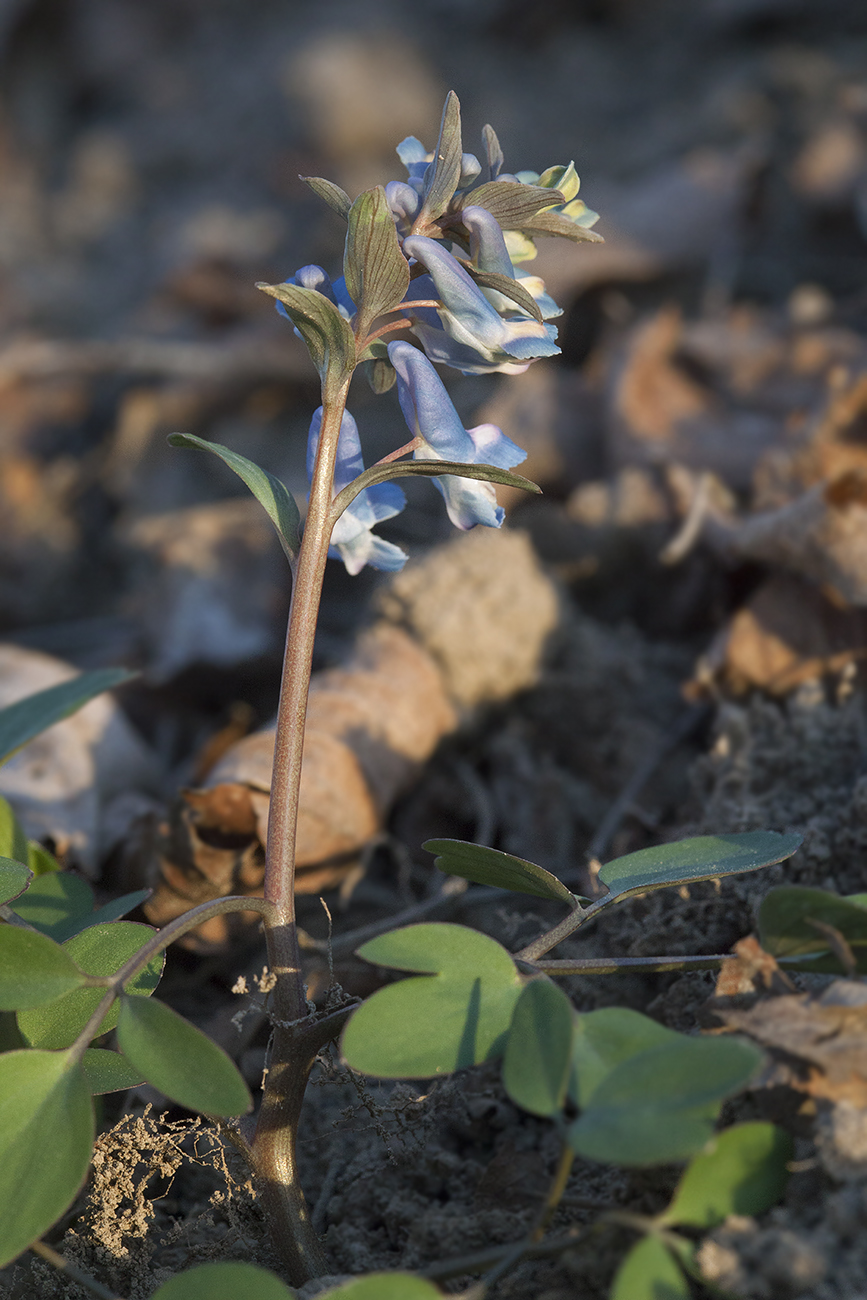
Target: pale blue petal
[
  {"x": 471, "y": 169},
  {"x": 487, "y": 245},
  {"x": 426, "y": 406}
]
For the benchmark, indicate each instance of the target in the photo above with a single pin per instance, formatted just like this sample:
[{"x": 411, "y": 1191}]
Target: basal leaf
[
  {"x": 25, "y": 719},
  {"x": 512, "y": 202},
  {"x": 605, "y": 1039},
  {"x": 13, "y": 841},
  {"x": 650, "y": 1272},
  {"x": 98, "y": 950},
  {"x": 741, "y": 1171},
  {"x": 464, "y": 1003},
  {"x": 108, "y": 1071},
  {"x": 785, "y": 930},
  {"x": 487, "y": 866},
  {"x": 377, "y": 273},
  {"x": 704, "y": 858},
  {"x": 276, "y": 500},
  {"x": 55, "y": 900},
  {"x": 538, "y": 1056},
  {"x": 179, "y": 1059},
  {"x": 444, "y": 173},
  {"x": 661, "y": 1104},
  {"x": 328, "y": 336},
  {"x": 33, "y": 969},
  {"x": 46, "y": 1138},
  {"x": 384, "y": 1286},
  {"x": 230, "y": 1281},
  {"x": 333, "y": 195},
  {"x": 14, "y": 877}
]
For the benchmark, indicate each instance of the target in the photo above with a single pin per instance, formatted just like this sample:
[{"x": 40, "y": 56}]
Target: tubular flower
[
  {"x": 488, "y": 252},
  {"x": 430, "y": 415},
  {"x": 352, "y": 539},
  {"x": 467, "y": 332}
]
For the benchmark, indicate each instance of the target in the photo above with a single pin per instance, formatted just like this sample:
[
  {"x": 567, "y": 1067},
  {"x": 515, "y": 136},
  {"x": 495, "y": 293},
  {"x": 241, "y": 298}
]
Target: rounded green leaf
[
  {"x": 785, "y": 928},
  {"x": 179, "y": 1059},
  {"x": 706, "y": 857},
  {"x": 53, "y": 900},
  {"x": 13, "y": 841},
  {"x": 33, "y": 969},
  {"x": 13, "y": 879},
  {"x": 98, "y": 950},
  {"x": 741, "y": 1171},
  {"x": 26, "y": 718},
  {"x": 109, "y": 1071},
  {"x": 231, "y": 1281},
  {"x": 46, "y": 1138},
  {"x": 661, "y": 1104},
  {"x": 650, "y": 1272},
  {"x": 384, "y": 1286},
  {"x": 458, "y": 1015},
  {"x": 487, "y": 866},
  {"x": 538, "y": 1057},
  {"x": 605, "y": 1038}
]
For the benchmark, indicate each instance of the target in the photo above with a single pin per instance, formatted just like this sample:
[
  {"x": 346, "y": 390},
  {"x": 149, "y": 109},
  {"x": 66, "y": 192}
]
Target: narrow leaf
[
  {"x": 13, "y": 841},
  {"x": 512, "y": 202},
  {"x": 33, "y": 969},
  {"x": 329, "y": 338},
  {"x": 487, "y": 866},
  {"x": 741, "y": 1171},
  {"x": 53, "y": 901},
  {"x": 333, "y": 195},
  {"x": 383, "y": 1286},
  {"x": 13, "y": 879},
  {"x": 785, "y": 930},
  {"x": 650, "y": 1272},
  {"x": 706, "y": 857},
  {"x": 445, "y": 170},
  {"x": 22, "y": 721},
  {"x": 428, "y": 469},
  {"x": 505, "y": 285},
  {"x": 377, "y": 273},
  {"x": 493, "y": 151},
  {"x": 276, "y": 500},
  {"x": 465, "y": 1003},
  {"x": 109, "y": 1071},
  {"x": 538, "y": 1056},
  {"x": 179, "y": 1059},
  {"x": 552, "y": 223},
  {"x": 46, "y": 1138},
  {"x": 98, "y": 950}
]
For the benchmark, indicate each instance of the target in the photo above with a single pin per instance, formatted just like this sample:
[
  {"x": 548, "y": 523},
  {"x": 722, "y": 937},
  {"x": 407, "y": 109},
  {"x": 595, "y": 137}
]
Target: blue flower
[
  {"x": 467, "y": 332},
  {"x": 489, "y": 252},
  {"x": 315, "y": 278},
  {"x": 430, "y": 415},
  {"x": 352, "y": 540}
]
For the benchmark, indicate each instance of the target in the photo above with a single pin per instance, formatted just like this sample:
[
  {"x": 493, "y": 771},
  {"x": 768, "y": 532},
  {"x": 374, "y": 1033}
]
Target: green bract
[
  {"x": 464, "y": 1001},
  {"x": 329, "y": 338},
  {"x": 376, "y": 271}
]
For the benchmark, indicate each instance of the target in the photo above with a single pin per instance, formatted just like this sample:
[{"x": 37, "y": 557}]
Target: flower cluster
[{"x": 440, "y": 248}]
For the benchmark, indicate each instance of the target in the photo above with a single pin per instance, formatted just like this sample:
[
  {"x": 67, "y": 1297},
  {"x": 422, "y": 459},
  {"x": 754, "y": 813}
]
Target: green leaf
[
  {"x": 660, "y": 1105},
  {"x": 111, "y": 911},
  {"x": 232, "y": 1281},
  {"x": 457, "y": 1015},
  {"x": 98, "y": 950},
  {"x": 785, "y": 930},
  {"x": 650, "y": 1272},
  {"x": 14, "y": 877},
  {"x": 333, "y": 195},
  {"x": 13, "y": 841},
  {"x": 377, "y": 273},
  {"x": 538, "y": 1056},
  {"x": 445, "y": 172},
  {"x": 39, "y": 860},
  {"x": 179, "y": 1059},
  {"x": 54, "y": 901},
  {"x": 604, "y": 1039},
  {"x": 383, "y": 1286},
  {"x": 741, "y": 1171},
  {"x": 328, "y": 336},
  {"x": 552, "y": 223},
  {"x": 46, "y": 1138},
  {"x": 22, "y": 721},
  {"x": 505, "y": 285},
  {"x": 487, "y": 866},
  {"x": 512, "y": 202},
  {"x": 109, "y": 1071},
  {"x": 427, "y": 469},
  {"x": 277, "y": 502},
  {"x": 706, "y": 857},
  {"x": 33, "y": 969}
]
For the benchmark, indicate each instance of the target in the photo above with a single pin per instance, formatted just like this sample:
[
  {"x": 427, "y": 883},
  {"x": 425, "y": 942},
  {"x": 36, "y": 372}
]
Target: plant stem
[{"x": 51, "y": 1256}]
